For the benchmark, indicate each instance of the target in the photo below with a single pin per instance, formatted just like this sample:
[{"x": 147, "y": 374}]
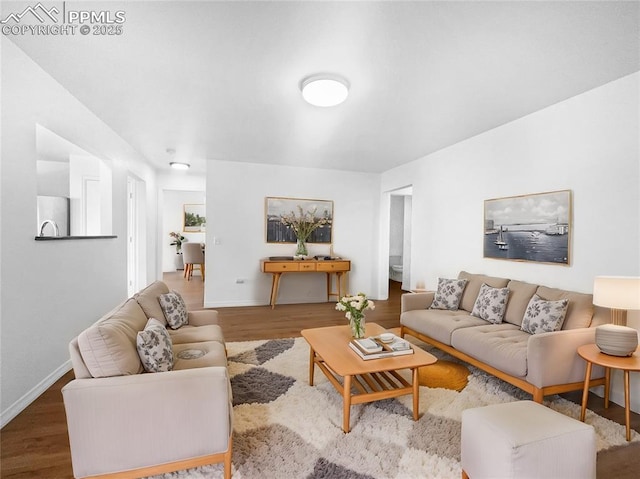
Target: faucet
[{"x": 56, "y": 231}]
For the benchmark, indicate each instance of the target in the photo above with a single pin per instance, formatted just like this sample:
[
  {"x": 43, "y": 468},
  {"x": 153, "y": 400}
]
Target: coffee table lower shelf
[{"x": 367, "y": 387}]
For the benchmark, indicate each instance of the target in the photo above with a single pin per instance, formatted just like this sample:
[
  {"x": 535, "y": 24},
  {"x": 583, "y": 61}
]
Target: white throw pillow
[
  {"x": 491, "y": 303},
  {"x": 155, "y": 347},
  {"x": 544, "y": 316},
  {"x": 174, "y": 309},
  {"x": 449, "y": 294}
]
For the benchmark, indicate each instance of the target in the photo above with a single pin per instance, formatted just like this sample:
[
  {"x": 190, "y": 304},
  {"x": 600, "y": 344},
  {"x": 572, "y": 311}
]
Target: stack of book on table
[{"x": 374, "y": 348}]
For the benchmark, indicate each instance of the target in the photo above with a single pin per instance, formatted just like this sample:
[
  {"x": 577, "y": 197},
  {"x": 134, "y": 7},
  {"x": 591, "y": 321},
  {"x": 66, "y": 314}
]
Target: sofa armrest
[
  {"x": 413, "y": 301},
  {"x": 203, "y": 317},
  {"x": 129, "y": 422},
  {"x": 552, "y": 358}
]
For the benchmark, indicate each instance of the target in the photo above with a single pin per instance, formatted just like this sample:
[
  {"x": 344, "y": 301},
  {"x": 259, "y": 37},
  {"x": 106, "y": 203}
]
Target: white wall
[
  {"x": 61, "y": 286},
  {"x": 587, "y": 144},
  {"x": 235, "y": 217}
]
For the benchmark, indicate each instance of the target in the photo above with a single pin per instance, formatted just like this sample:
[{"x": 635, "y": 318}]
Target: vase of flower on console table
[
  {"x": 302, "y": 225},
  {"x": 301, "y": 248},
  {"x": 354, "y": 308}
]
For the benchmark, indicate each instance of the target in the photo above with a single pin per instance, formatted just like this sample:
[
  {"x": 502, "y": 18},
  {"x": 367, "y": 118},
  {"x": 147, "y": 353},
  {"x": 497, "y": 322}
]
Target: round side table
[{"x": 592, "y": 355}]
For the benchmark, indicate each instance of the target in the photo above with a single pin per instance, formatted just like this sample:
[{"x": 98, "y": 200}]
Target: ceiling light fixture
[
  {"x": 176, "y": 165},
  {"x": 324, "y": 89}
]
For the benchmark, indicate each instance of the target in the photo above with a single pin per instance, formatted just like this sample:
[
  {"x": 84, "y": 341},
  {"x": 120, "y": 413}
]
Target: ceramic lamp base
[{"x": 616, "y": 340}]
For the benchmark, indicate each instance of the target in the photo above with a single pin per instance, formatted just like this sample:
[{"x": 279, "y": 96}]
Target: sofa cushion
[
  {"x": 438, "y": 324},
  {"x": 174, "y": 309},
  {"x": 474, "y": 282},
  {"x": 148, "y": 300},
  {"x": 199, "y": 355},
  {"x": 491, "y": 303},
  {"x": 580, "y": 309},
  {"x": 196, "y": 334},
  {"x": 154, "y": 347},
  {"x": 520, "y": 293},
  {"x": 448, "y": 294},
  {"x": 544, "y": 316},
  {"x": 502, "y": 346},
  {"x": 108, "y": 347}
]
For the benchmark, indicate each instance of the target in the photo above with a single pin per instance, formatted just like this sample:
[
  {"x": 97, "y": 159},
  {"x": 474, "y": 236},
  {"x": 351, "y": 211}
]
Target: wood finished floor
[{"x": 35, "y": 444}]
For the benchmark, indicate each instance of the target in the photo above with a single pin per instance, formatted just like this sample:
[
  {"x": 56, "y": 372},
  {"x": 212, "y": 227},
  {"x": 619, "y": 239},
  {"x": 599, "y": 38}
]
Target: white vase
[{"x": 179, "y": 261}]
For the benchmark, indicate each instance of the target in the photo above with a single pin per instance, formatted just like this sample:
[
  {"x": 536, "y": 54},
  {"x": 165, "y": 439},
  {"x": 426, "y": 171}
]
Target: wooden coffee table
[{"x": 363, "y": 381}]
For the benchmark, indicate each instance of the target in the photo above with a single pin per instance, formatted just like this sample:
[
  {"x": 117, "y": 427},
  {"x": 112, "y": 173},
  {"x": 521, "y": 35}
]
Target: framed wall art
[
  {"x": 534, "y": 227},
  {"x": 194, "y": 219},
  {"x": 281, "y": 212}
]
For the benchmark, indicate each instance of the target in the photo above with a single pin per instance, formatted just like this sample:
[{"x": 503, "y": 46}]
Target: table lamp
[{"x": 620, "y": 293}]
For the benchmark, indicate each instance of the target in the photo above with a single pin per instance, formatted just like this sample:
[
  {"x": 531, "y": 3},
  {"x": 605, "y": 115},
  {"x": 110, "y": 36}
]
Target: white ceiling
[{"x": 219, "y": 80}]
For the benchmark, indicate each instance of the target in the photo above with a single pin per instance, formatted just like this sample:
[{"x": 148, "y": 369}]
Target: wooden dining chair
[{"x": 192, "y": 254}]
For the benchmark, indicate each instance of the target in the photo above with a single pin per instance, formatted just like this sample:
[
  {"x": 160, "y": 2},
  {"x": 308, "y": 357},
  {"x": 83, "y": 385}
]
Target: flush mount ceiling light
[
  {"x": 176, "y": 165},
  {"x": 324, "y": 89}
]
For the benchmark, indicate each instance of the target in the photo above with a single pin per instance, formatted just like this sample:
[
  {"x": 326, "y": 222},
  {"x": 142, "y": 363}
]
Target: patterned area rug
[{"x": 285, "y": 428}]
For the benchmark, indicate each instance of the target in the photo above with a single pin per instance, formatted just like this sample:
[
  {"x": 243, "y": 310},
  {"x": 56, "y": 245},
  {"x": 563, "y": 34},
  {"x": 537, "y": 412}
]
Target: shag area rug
[{"x": 284, "y": 428}]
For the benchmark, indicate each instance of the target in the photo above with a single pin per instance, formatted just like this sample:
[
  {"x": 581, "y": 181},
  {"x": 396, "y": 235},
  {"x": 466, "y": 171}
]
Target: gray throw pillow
[
  {"x": 174, "y": 309},
  {"x": 155, "y": 347},
  {"x": 491, "y": 303},
  {"x": 449, "y": 294},
  {"x": 544, "y": 316}
]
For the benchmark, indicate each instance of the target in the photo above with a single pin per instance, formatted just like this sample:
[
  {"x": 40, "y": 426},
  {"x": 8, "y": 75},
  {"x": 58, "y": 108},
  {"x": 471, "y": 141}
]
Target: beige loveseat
[
  {"x": 540, "y": 364},
  {"x": 126, "y": 422}
]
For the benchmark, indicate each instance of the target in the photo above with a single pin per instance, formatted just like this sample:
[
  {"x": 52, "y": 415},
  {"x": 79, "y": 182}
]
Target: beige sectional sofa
[
  {"x": 540, "y": 364},
  {"x": 127, "y": 422}
]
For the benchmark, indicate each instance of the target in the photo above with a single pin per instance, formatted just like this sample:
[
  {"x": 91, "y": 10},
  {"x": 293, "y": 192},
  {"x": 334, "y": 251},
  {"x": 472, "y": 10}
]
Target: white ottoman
[{"x": 525, "y": 439}]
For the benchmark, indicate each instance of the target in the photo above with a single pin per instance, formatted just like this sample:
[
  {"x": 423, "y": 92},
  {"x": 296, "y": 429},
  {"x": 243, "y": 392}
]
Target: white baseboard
[
  {"x": 21, "y": 404},
  {"x": 230, "y": 304},
  {"x": 251, "y": 302}
]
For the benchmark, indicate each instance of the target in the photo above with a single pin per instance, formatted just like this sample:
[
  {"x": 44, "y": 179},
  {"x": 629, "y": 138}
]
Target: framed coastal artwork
[
  {"x": 194, "y": 219},
  {"x": 278, "y": 209},
  {"x": 536, "y": 227}
]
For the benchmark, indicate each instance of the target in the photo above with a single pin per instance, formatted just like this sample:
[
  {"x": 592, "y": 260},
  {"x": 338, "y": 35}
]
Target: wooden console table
[{"x": 337, "y": 267}]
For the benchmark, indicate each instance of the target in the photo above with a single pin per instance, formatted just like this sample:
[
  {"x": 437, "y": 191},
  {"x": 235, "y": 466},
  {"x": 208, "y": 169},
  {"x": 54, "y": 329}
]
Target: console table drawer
[
  {"x": 329, "y": 266},
  {"x": 270, "y": 267},
  {"x": 307, "y": 266}
]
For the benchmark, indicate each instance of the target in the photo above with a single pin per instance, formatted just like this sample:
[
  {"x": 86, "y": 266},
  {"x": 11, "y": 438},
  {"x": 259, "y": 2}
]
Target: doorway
[
  {"x": 136, "y": 260},
  {"x": 400, "y": 237}
]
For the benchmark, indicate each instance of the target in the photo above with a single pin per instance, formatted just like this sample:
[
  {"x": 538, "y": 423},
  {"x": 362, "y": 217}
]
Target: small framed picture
[{"x": 194, "y": 219}]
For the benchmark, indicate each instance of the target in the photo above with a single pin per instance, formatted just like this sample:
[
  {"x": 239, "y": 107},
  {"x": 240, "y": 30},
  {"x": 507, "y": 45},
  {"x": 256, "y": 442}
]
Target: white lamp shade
[
  {"x": 324, "y": 90},
  {"x": 618, "y": 292}
]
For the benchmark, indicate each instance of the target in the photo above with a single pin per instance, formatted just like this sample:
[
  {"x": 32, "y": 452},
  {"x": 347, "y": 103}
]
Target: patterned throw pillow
[
  {"x": 174, "y": 309},
  {"x": 544, "y": 316},
  {"x": 449, "y": 294},
  {"x": 154, "y": 347},
  {"x": 491, "y": 303}
]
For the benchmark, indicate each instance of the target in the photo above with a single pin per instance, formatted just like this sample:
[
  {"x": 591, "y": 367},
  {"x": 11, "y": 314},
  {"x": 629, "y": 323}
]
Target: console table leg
[
  {"x": 328, "y": 286},
  {"x": 275, "y": 284}
]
